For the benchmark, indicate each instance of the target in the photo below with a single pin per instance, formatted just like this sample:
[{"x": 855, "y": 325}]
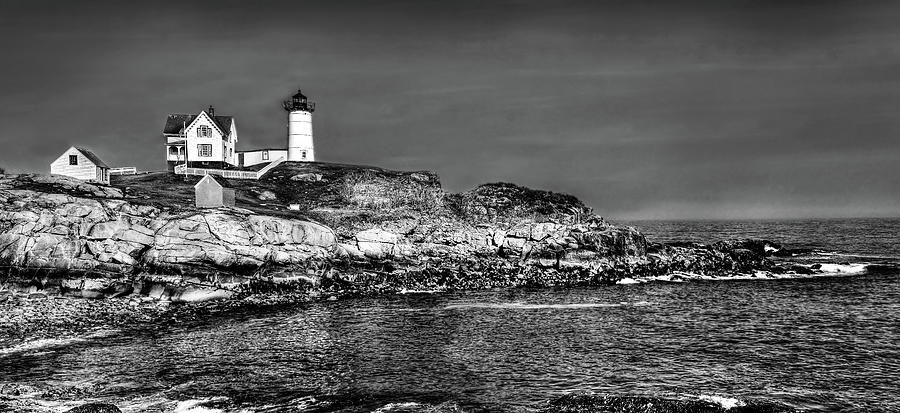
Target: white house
[
  {"x": 204, "y": 140},
  {"x": 258, "y": 156},
  {"x": 81, "y": 163}
]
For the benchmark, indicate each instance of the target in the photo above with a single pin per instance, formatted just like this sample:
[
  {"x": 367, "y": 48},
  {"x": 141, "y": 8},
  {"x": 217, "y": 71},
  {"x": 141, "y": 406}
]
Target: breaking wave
[
  {"x": 832, "y": 269},
  {"x": 48, "y": 343},
  {"x": 892, "y": 258},
  {"x": 199, "y": 405},
  {"x": 811, "y": 270}
]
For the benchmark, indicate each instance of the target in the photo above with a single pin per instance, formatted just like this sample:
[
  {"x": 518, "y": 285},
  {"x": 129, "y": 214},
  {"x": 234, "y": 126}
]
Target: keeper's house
[
  {"x": 81, "y": 163},
  {"x": 204, "y": 140}
]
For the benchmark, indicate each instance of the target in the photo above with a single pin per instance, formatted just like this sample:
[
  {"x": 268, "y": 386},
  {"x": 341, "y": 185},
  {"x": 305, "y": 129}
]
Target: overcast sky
[{"x": 644, "y": 109}]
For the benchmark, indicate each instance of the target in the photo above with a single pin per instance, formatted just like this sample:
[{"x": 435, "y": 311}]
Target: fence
[
  {"x": 124, "y": 170},
  {"x": 183, "y": 170}
]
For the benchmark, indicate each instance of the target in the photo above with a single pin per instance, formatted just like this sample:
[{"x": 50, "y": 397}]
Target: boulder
[
  {"x": 267, "y": 196},
  {"x": 351, "y": 251},
  {"x": 137, "y": 237},
  {"x": 377, "y": 235},
  {"x": 307, "y": 177},
  {"x": 313, "y": 234},
  {"x": 376, "y": 243},
  {"x": 103, "y": 230}
]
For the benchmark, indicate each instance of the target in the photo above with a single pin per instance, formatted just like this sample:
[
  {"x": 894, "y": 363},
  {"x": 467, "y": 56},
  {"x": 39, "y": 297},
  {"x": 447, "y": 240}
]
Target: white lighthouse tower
[{"x": 300, "y": 131}]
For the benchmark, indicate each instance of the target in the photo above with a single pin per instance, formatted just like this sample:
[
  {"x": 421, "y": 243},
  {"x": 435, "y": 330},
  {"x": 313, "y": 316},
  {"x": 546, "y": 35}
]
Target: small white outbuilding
[
  {"x": 81, "y": 163},
  {"x": 209, "y": 193}
]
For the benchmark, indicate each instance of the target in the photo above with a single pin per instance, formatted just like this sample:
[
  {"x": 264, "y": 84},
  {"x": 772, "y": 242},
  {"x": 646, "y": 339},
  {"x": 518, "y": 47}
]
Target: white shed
[
  {"x": 81, "y": 163},
  {"x": 209, "y": 193}
]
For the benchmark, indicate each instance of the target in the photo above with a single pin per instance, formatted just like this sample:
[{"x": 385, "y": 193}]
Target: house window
[
  {"x": 265, "y": 155},
  {"x": 204, "y": 150},
  {"x": 302, "y": 154},
  {"x": 173, "y": 150},
  {"x": 73, "y": 159},
  {"x": 203, "y": 131}
]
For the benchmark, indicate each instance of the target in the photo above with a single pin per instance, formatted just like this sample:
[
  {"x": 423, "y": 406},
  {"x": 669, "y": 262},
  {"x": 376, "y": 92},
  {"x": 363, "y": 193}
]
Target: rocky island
[{"x": 311, "y": 231}]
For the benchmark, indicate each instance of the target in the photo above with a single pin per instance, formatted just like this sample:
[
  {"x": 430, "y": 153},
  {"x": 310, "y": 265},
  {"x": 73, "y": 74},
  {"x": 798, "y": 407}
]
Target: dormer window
[{"x": 203, "y": 131}]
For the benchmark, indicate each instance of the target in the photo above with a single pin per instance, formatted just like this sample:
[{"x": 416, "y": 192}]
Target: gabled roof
[
  {"x": 224, "y": 183},
  {"x": 91, "y": 156},
  {"x": 175, "y": 122},
  {"x": 207, "y": 180}
]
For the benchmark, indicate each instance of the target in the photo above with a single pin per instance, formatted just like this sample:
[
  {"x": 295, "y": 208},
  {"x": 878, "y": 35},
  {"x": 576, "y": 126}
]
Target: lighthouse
[{"x": 300, "y": 131}]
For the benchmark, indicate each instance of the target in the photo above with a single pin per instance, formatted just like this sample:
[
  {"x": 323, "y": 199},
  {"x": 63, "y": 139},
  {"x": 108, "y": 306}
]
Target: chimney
[{"x": 211, "y": 111}]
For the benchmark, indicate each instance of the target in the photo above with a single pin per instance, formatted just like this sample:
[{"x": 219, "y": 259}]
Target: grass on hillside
[
  {"x": 352, "y": 197},
  {"x": 341, "y": 187}
]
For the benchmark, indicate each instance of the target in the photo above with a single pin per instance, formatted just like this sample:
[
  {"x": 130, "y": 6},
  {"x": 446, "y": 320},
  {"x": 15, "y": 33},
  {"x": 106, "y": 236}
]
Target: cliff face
[{"x": 361, "y": 230}]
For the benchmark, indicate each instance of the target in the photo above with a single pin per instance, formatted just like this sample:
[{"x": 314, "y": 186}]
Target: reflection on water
[{"x": 828, "y": 343}]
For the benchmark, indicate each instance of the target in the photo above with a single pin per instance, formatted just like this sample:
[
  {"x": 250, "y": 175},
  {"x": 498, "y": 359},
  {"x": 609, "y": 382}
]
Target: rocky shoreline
[
  {"x": 32, "y": 317},
  {"x": 72, "y": 238},
  {"x": 364, "y": 231}
]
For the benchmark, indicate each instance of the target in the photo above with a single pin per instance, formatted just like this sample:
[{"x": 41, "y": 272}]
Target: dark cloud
[{"x": 642, "y": 108}]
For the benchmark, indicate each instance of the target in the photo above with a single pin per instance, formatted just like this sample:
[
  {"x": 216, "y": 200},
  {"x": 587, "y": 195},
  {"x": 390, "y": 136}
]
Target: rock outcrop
[
  {"x": 96, "y": 246},
  {"x": 396, "y": 232}
]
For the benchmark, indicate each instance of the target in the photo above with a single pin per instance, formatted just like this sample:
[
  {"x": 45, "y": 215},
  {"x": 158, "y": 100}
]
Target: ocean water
[
  {"x": 812, "y": 344},
  {"x": 857, "y": 240}
]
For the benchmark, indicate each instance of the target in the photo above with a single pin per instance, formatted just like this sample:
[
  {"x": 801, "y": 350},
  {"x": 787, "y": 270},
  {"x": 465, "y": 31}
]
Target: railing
[
  {"x": 183, "y": 170},
  {"x": 124, "y": 170},
  {"x": 267, "y": 168}
]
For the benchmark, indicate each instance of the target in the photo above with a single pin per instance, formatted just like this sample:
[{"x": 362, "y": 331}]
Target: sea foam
[
  {"x": 393, "y": 407},
  {"x": 197, "y": 406},
  {"x": 830, "y": 269},
  {"x": 822, "y": 270},
  {"x": 44, "y": 343},
  {"x": 727, "y": 403},
  {"x": 522, "y": 306}
]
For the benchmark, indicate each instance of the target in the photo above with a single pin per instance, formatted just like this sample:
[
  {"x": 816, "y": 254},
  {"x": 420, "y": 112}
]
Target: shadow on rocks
[{"x": 95, "y": 408}]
